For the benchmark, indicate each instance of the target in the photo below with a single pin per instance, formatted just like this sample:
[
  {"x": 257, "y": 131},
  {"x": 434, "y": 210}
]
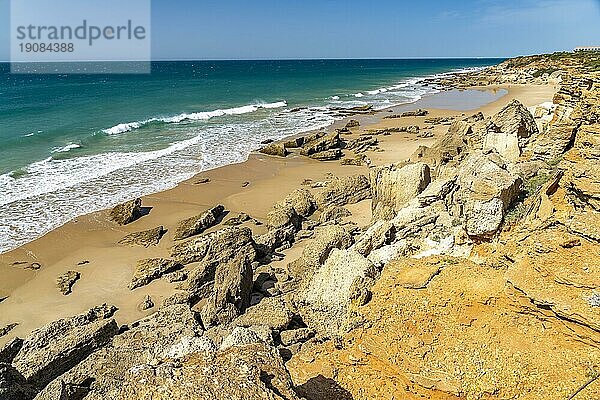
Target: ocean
[{"x": 74, "y": 144}]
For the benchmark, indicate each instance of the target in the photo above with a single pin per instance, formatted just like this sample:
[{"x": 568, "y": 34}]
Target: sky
[{"x": 274, "y": 29}]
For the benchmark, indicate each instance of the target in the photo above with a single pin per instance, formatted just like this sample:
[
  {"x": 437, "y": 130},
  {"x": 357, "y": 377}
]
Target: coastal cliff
[{"x": 475, "y": 273}]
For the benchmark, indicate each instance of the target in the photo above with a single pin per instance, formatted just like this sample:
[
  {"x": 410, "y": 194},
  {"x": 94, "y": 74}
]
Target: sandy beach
[{"x": 88, "y": 244}]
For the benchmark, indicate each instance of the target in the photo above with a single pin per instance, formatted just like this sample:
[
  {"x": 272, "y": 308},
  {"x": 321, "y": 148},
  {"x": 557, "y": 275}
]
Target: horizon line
[{"x": 270, "y": 59}]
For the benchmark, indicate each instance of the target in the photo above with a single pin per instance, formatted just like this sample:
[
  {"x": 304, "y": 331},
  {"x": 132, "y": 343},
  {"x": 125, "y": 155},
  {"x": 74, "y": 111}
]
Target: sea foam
[{"x": 198, "y": 116}]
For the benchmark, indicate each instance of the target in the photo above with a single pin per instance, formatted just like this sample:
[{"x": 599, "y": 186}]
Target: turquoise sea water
[{"x": 73, "y": 144}]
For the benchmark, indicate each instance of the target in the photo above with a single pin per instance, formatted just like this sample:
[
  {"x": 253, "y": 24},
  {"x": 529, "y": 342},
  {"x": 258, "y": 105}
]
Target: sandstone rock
[
  {"x": 510, "y": 131},
  {"x": 394, "y": 185},
  {"x": 214, "y": 246},
  {"x": 128, "y": 212},
  {"x": 344, "y": 279},
  {"x": 191, "y": 344},
  {"x": 275, "y": 149},
  {"x": 198, "y": 224},
  {"x": 334, "y": 213},
  {"x": 66, "y": 281},
  {"x": 270, "y": 311},
  {"x": 357, "y": 161},
  {"x": 231, "y": 292},
  {"x": 6, "y": 329},
  {"x": 176, "y": 276},
  {"x": 380, "y": 233},
  {"x": 251, "y": 372},
  {"x": 282, "y": 214},
  {"x": 416, "y": 113},
  {"x": 301, "y": 335},
  {"x": 294, "y": 143},
  {"x": 486, "y": 191},
  {"x": 416, "y": 275},
  {"x": 342, "y": 191},
  {"x": 148, "y": 238},
  {"x": 321, "y": 143},
  {"x": 150, "y": 269},
  {"x": 318, "y": 249},
  {"x": 146, "y": 341},
  {"x": 452, "y": 146},
  {"x": 276, "y": 238},
  {"x": 240, "y": 337},
  {"x": 303, "y": 202},
  {"x": 240, "y": 219},
  {"x": 352, "y": 124},
  {"x": 55, "y": 348},
  {"x": 147, "y": 303},
  {"x": 327, "y": 155}
]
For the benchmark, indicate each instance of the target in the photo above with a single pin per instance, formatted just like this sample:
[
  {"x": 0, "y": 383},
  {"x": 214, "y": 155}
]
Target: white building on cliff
[{"x": 587, "y": 48}]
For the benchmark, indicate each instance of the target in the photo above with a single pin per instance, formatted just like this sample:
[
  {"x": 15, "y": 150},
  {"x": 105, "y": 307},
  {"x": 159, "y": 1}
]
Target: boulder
[
  {"x": 213, "y": 246},
  {"x": 231, "y": 293},
  {"x": 394, "y": 186},
  {"x": 294, "y": 336},
  {"x": 275, "y": 149},
  {"x": 294, "y": 143},
  {"x": 57, "y": 347},
  {"x": 126, "y": 213},
  {"x": 510, "y": 130},
  {"x": 276, "y": 238},
  {"x": 240, "y": 337},
  {"x": 334, "y": 213},
  {"x": 352, "y": 124},
  {"x": 191, "y": 344},
  {"x": 416, "y": 113},
  {"x": 281, "y": 215},
  {"x": 327, "y": 155},
  {"x": 150, "y": 269},
  {"x": 251, "y": 372},
  {"x": 347, "y": 190},
  {"x": 66, "y": 281},
  {"x": 318, "y": 249},
  {"x": 198, "y": 224},
  {"x": 240, "y": 219},
  {"x": 342, "y": 284},
  {"x": 6, "y": 329},
  {"x": 147, "y": 303},
  {"x": 320, "y": 143},
  {"x": 271, "y": 311},
  {"x": 303, "y": 202},
  {"x": 486, "y": 190},
  {"x": 145, "y": 341},
  {"x": 147, "y": 238}
]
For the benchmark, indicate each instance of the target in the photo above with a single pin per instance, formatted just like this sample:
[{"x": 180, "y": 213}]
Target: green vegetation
[{"x": 530, "y": 188}]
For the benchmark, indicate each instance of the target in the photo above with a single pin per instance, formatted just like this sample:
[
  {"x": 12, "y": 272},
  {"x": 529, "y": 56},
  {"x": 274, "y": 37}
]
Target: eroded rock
[
  {"x": 150, "y": 269},
  {"x": 198, "y": 224},
  {"x": 150, "y": 237},
  {"x": 127, "y": 212}
]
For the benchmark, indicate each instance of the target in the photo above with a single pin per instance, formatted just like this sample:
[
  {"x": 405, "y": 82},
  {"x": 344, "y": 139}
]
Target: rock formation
[
  {"x": 150, "y": 269},
  {"x": 150, "y": 237},
  {"x": 198, "y": 224},
  {"x": 66, "y": 281},
  {"x": 126, "y": 213}
]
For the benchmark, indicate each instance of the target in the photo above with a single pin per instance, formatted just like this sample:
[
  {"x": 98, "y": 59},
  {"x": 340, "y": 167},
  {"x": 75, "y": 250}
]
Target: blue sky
[{"x": 211, "y": 29}]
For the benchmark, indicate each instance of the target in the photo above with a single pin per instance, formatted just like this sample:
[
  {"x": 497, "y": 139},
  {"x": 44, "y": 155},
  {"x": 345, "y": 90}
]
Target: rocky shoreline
[{"x": 475, "y": 277}]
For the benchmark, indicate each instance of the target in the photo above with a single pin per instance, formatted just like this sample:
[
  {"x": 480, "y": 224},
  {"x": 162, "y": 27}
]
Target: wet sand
[{"x": 251, "y": 187}]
